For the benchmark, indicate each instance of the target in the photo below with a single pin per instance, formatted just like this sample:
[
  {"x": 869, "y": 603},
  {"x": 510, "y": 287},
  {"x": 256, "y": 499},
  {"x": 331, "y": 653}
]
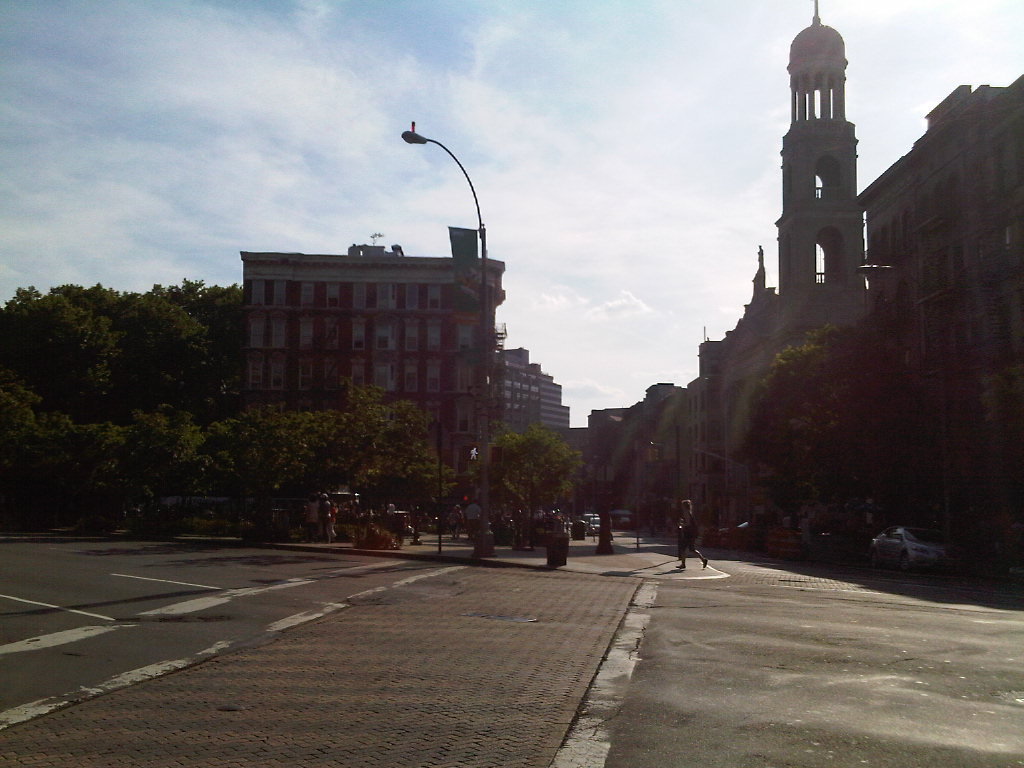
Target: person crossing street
[{"x": 686, "y": 534}]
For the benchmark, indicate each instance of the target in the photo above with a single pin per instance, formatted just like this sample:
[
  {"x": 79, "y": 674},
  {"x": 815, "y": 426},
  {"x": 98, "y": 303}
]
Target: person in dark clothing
[{"x": 687, "y": 534}]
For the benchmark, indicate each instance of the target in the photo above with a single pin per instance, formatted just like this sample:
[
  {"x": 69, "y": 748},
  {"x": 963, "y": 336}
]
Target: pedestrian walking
[
  {"x": 687, "y": 533},
  {"x": 326, "y": 517},
  {"x": 472, "y": 515},
  {"x": 455, "y": 522},
  {"x": 312, "y": 519}
]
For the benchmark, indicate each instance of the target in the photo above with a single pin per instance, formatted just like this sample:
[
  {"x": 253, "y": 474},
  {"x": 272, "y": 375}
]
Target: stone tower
[{"x": 821, "y": 240}]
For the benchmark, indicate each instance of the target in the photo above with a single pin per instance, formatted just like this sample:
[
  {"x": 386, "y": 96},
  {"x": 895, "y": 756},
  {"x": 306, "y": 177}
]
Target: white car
[{"x": 908, "y": 548}]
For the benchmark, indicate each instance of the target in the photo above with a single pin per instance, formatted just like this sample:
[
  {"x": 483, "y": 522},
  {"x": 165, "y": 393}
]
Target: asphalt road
[
  {"x": 809, "y": 666},
  {"x": 751, "y": 665},
  {"x": 79, "y": 618}
]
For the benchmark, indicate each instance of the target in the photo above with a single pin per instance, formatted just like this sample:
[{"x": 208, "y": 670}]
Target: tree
[
  {"x": 536, "y": 467},
  {"x": 378, "y": 447},
  {"x": 61, "y": 350},
  {"x": 259, "y": 452},
  {"x": 99, "y": 355},
  {"x": 161, "y": 456},
  {"x": 838, "y": 418}
]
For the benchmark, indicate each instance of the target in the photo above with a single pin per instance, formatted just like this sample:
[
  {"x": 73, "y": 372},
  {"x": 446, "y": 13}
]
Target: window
[
  {"x": 384, "y": 376},
  {"x": 433, "y": 297},
  {"x": 385, "y": 335},
  {"x": 412, "y": 335},
  {"x": 330, "y": 333},
  {"x": 464, "y": 378},
  {"x": 359, "y": 333},
  {"x": 434, "y": 336},
  {"x": 463, "y": 416},
  {"x": 819, "y": 264},
  {"x": 433, "y": 377},
  {"x": 255, "y": 375},
  {"x": 358, "y": 373},
  {"x": 333, "y": 295},
  {"x": 412, "y": 296},
  {"x": 257, "y": 328},
  {"x": 307, "y": 294},
  {"x": 277, "y": 337},
  {"x": 411, "y": 376},
  {"x": 305, "y": 332},
  {"x": 305, "y": 374},
  {"x": 257, "y": 292},
  {"x": 277, "y": 373},
  {"x": 465, "y": 337},
  {"x": 279, "y": 293},
  {"x": 330, "y": 373},
  {"x": 359, "y": 296},
  {"x": 387, "y": 296}
]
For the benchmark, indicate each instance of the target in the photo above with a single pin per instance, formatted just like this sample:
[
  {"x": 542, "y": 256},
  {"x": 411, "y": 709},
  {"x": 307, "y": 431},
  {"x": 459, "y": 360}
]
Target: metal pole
[
  {"x": 484, "y": 545},
  {"x": 440, "y": 487}
]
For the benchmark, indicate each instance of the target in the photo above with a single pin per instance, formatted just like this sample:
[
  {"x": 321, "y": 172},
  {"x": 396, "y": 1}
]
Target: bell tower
[{"x": 821, "y": 236}]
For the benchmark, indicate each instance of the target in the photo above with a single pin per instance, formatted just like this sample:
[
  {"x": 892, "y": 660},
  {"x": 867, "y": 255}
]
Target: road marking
[
  {"x": 40, "y": 707},
  {"x": 408, "y": 580},
  {"x": 60, "y": 608},
  {"x": 165, "y": 581},
  {"x": 302, "y": 618},
  {"x": 589, "y": 741},
  {"x": 56, "y": 638},
  {"x": 44, "y": 706},
  {"x": 202, "y": 603}
]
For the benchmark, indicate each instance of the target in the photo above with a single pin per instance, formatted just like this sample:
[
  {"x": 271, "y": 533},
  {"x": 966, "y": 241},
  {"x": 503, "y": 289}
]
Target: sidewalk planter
[
  {"x": 579, "y": 530},
  {"x": 785, "y": 544},
  {"x": 558, "y": 549}
]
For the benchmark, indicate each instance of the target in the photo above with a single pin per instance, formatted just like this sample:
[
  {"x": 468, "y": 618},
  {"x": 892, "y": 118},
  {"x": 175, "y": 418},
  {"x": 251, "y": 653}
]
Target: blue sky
[{"x": 625, "y": 152}]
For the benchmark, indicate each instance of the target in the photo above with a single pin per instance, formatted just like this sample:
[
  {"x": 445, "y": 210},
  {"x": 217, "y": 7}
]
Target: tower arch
[{"x": 821, "y": 234}]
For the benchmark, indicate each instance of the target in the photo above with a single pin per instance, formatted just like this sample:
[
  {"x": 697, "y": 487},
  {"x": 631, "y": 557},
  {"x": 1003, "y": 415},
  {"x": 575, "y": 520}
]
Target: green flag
[{"x": 467, "y": 270}]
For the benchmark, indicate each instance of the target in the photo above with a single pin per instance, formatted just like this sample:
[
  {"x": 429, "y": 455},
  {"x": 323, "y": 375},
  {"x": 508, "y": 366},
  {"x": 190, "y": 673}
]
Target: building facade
[
  {"x": 945, "y": 229},
  {"x": 319, "y": 323},
  {"x": 820, "y": 249},
  {"x": 530, "y": 396}
]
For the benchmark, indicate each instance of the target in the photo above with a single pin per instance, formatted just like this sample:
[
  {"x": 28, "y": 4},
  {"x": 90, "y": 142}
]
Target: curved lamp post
[{"x": 484, "y": 544}]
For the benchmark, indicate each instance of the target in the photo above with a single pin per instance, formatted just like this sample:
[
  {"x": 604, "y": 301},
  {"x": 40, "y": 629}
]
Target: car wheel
[{"x": 904, "y": 562}]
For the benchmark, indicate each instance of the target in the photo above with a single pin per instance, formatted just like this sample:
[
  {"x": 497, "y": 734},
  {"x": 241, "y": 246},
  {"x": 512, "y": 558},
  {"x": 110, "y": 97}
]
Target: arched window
[
  {"x": 828, "y": 264},
  {"x": 828, "y": 178}
]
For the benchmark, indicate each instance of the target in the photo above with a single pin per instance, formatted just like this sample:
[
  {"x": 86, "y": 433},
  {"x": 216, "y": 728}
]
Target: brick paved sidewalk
[
  {"x": 443, "y": 672},
  {"x": 655, "y": 558}
]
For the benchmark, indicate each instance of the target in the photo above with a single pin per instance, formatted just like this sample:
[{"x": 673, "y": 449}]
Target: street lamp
[{"x": 484, "y": 544}]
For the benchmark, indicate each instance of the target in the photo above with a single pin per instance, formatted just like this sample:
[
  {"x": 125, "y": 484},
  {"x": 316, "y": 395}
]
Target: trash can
[
  {"x": 579, "y": 530},
  {"x": 558, "y": 549}
]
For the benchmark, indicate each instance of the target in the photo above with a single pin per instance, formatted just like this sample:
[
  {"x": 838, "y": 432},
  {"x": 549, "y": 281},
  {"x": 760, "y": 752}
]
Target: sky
[{"x": 625, "y": 152}]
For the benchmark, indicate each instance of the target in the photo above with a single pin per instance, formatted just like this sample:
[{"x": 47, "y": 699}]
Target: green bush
[{"x": 374, "y": 537}]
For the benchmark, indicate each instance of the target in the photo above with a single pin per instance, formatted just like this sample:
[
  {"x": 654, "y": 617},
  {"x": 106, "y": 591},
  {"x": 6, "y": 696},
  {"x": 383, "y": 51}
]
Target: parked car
[
  {"x": 622, "y": 519},
  {"x": 593, "y": 522},
  {"x": 907, "y": 548}
]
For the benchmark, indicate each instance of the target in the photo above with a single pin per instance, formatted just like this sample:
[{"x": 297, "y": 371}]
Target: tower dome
[{"x": 816, "y": 47}]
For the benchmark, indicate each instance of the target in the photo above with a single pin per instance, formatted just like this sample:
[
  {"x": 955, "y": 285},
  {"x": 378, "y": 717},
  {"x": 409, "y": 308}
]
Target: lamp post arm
[{"x": 472, "y": 189}]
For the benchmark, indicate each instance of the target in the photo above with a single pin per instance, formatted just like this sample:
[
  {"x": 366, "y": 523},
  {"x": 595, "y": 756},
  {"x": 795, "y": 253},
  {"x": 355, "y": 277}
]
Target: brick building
[
  {"x": 316, "y": 322},
  {"x": 945, "y": 230},
  {"x": 530, "y": 396}
]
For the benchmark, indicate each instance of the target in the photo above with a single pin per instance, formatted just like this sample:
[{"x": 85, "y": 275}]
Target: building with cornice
[
  {"x": 820, "y": 248},
  {"x": 319, "y": 322}
]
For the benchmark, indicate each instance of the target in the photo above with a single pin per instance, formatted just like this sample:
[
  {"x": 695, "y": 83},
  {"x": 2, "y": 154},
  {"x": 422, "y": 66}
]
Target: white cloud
[{"x": 626, "y": 155}]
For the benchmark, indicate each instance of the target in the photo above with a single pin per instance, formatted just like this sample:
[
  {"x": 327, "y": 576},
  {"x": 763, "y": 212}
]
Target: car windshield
[{"x": 926, "y": 535}]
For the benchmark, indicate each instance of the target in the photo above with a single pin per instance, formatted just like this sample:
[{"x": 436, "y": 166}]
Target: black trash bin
[
  {"x": 558, "y": 549},
  {"x": 579, "y": 530}
]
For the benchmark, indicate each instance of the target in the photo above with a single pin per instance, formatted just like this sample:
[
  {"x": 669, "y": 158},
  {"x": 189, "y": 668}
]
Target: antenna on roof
[{"x": 817, "y": 18}]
